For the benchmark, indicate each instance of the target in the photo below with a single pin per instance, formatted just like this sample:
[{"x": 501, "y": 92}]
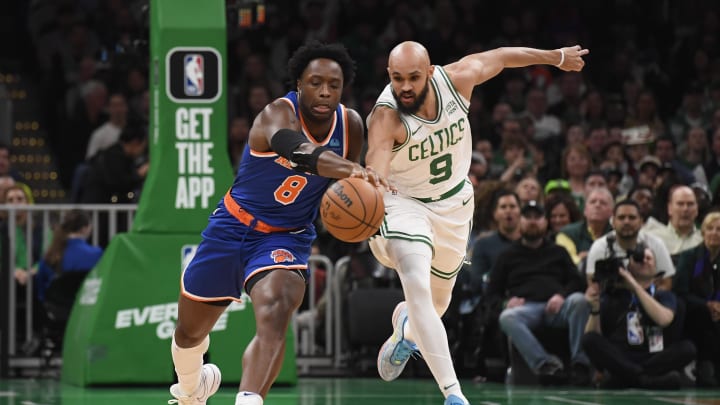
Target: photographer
[
  {"x": 627, "y": 331},
  {"x": 623, "y": 241}
]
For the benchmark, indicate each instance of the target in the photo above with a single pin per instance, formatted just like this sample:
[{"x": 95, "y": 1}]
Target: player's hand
[
  {"x": 378, "y": 180},
  {"x": 370, "y": 175},
  {"x": 573, "y": 61}
]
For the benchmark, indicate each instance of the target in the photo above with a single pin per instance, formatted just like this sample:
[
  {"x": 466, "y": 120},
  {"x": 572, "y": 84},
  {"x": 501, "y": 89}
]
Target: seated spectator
[
  {"x": 6, "y": 181},
  {"x": 680, "y": 233},
  {"x": 697, "y": 282},
  {"x": 648, "y": 174},
  {"x": 529, "y": 189},
  {"x": 19, "y": 194},
  {"x": 486, "y": 248},
  {"x": 695, "y": 153},
  {"x": 6, "y": 168},
  {"x": 25, "y": 258},
  {"x": 625, "y": 239},
  {"x": 576, "y": 161},
  {"x": 516, "y": 162},
  {"x": 594, "y": 179},
  {"x": 112, "y": 176},
  {"x": 478, "y": 168},
  {"x": 628, "y": 334},
  {"x": 108, "y": 133},
  {"x": 645, "y": 198},
  {"x": 557, "y": 186},
  {"x": 505, "y": 208},
  {"x": 579, "y": 236},
  {"x": 560, "y": 210},
  {"x": 541, "y": 287},
  {"x": 69, "y": 251},
  {"x": 703, "y": 199},
  {"x": 665, "y": 150}
]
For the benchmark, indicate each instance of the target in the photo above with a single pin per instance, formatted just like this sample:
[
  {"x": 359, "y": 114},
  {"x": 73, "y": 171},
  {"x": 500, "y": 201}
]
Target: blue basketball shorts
[{"x": 230, "y": 253}]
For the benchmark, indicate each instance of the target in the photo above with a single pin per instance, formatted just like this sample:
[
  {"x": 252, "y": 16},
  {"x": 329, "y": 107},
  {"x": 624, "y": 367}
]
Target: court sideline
[{"x": 350, "y": 391}]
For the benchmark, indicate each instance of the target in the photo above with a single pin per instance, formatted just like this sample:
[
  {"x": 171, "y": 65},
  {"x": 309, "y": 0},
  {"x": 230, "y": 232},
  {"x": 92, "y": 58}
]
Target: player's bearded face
[{"x": 417, "y": 100}]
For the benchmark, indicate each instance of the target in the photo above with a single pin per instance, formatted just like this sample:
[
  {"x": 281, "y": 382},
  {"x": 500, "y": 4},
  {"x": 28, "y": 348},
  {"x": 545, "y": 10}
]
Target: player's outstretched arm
[
  {"x": 356, "y": 137},
  {"x": 477, "y": 68},
  {"x": 277, "y": 129},
  {"x": 384, "y": 130}
]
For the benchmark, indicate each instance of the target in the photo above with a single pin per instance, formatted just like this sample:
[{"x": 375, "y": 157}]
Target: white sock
[
  {"x": 188, "y": 364},
  {"x": 452, "y": 389},
  {"x": 248, "y": 398},
  {"x": 424, "y": 326}
]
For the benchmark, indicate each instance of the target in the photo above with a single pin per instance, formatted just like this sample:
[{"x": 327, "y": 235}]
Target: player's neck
[
  {"x": 319, "y": 130},
  {"x": 429, "y": 109}
]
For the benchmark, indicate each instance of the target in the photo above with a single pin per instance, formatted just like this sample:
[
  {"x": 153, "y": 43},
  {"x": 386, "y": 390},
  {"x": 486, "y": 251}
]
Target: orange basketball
[{"x": 352, "y": 209}]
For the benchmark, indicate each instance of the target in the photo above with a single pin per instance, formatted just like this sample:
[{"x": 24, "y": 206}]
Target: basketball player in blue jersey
[
  {"x": 420, "y": 140},
  {"x": 259, "y": 237}
]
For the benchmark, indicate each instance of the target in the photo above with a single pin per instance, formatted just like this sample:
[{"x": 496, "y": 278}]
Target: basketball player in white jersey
[{"x": 420, "y": 139}]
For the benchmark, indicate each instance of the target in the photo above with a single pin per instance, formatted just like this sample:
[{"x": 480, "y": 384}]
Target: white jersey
[{"x": 434, "y": 160}]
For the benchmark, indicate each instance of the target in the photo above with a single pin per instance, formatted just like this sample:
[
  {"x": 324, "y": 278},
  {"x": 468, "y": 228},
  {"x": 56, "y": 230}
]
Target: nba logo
[
  {"x": 194, "y": 74},
  {"x": 187, "y": 253}
]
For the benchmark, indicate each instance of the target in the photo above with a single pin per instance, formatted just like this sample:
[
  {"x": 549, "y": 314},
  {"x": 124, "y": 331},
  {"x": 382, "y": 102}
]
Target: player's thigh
[
  {"x": 283, "y": 251},
  {"x": 451, "y": 235},
  {"x": 216, "y": 271},
  {"x": 406, "y": 219}
]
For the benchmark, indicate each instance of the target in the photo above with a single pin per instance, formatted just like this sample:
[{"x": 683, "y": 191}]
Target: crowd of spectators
[{"x": 641, "y": 122}]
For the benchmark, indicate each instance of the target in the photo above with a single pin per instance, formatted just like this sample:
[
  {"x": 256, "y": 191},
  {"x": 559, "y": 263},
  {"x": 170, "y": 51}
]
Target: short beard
[
  {"x": 532, "y": 237},
  {"x": 634, "y": 236},
  {"x": 415, "y": 106}
]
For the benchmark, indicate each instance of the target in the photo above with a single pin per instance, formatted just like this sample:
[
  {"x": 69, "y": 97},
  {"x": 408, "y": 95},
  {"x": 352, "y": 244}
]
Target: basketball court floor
[{"x": 350, "y": 391}]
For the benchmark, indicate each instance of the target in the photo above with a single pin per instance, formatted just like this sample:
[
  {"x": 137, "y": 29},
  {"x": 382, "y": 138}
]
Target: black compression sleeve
[{"x": 285, "y": 141}]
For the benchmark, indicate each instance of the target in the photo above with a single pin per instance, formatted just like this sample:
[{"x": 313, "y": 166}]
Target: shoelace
[
  {"x": 184, "y": 401},
  {"x": 404, "y": 351}
]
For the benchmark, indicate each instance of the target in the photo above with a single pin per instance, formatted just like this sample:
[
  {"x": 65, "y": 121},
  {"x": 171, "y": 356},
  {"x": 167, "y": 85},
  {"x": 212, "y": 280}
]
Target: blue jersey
[{"x": 268, "y": 188}]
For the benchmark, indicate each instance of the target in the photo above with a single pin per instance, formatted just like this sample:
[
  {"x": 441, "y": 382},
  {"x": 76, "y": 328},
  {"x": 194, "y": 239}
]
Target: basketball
[{"x": 352, "y": 209}]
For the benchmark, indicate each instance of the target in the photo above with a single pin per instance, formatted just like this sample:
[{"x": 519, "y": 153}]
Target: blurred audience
[{"x": 698, "y": 282}]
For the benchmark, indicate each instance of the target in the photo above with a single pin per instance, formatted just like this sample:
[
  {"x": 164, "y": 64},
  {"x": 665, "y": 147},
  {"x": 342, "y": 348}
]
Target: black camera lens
[{"x": 638, "y": 254}]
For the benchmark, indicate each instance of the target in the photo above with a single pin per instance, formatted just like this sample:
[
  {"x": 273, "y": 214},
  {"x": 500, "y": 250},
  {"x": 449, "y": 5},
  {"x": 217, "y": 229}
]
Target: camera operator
[
  {"x": 624, "y": 240},
  {"x": 627, "y": 332}
]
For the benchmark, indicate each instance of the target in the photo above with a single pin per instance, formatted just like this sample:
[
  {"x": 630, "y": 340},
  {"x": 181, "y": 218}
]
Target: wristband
[
  {"x": 594, "y": 312},
  {"x": 562, "y": 58}
]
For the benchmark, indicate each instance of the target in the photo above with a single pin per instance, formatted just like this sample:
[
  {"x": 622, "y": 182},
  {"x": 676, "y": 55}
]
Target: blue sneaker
[
  {"x": 396, "y": 351},
  {"x": 455, "y": 400}
]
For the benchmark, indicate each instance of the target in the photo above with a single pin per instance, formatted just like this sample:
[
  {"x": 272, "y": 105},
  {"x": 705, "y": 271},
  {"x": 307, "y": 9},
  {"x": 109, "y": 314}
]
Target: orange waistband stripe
[{"x": 246, "y": 218}]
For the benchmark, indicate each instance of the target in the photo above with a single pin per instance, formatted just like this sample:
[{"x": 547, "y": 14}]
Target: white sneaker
[
  {"x": 209, "y": 384},
  {"x": 396, "y": 351}
]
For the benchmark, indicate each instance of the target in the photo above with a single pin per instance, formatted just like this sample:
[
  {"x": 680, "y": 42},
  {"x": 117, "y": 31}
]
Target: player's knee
[
  {"x": 441, "y": 304},
  {"x": 187, "y": 336}
]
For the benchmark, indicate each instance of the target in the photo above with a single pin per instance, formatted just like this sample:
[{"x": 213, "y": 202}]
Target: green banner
[
  {"x": 189, "y": 165},
  {"x": 122, "y": 323}
]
